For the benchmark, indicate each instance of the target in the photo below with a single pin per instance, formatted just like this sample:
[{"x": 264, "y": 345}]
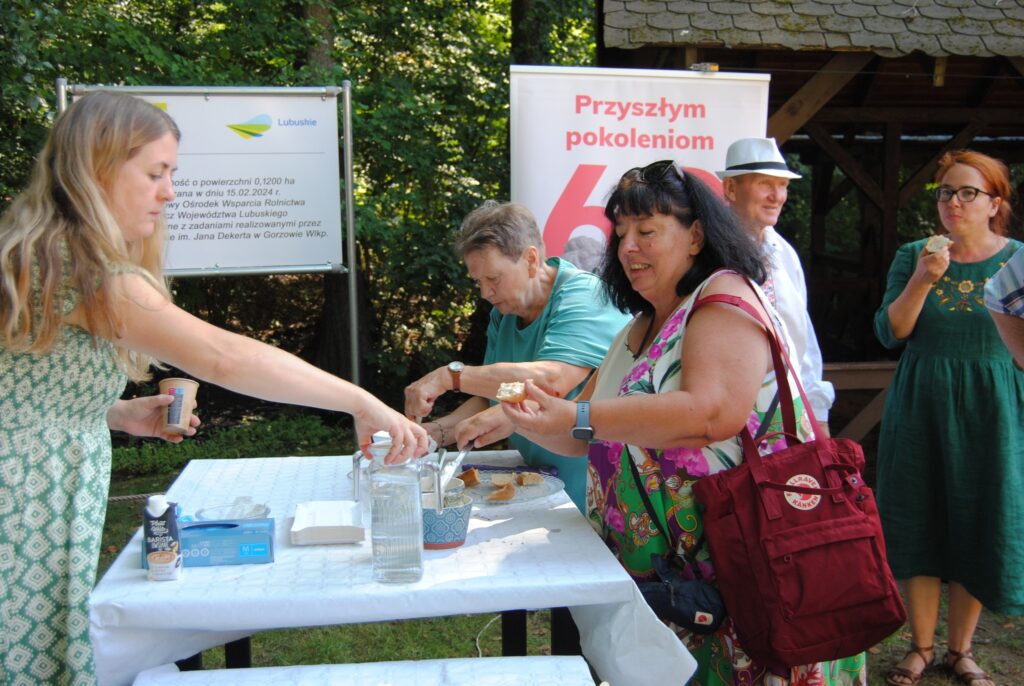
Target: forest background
[{"x": 430, "y": 129}]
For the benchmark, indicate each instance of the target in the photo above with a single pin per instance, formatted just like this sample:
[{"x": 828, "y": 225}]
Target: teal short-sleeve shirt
[{"x": 576, "y": 327}]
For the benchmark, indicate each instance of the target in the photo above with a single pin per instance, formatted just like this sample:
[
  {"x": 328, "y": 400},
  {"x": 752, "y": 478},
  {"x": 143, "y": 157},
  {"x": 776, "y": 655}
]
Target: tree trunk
[
  {"x": 529, "y": 26},
  {"x": 330, "y": 347}
]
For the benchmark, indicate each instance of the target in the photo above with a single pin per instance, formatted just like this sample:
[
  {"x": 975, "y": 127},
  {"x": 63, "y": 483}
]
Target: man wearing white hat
[{"x": 755, "y": 182}]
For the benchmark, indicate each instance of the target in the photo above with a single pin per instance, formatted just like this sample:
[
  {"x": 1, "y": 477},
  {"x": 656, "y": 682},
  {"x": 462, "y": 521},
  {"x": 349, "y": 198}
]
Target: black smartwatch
[{"x": 583, "y": 431}]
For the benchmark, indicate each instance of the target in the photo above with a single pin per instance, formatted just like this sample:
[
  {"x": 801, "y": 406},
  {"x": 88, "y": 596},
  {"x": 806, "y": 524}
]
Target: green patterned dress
[
  {"x": 951, "y": 448},
  {"x": 54, "y": 477},
  {"x": 617, "y": 511}
]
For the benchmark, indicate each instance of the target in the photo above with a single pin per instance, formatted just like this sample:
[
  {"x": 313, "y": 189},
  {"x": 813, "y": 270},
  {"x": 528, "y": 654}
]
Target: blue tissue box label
[{"x": 226, "y": 542}]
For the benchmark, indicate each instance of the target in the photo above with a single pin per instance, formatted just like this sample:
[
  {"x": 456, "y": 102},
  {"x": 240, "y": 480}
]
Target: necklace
[{"x": 640, "y": 347}]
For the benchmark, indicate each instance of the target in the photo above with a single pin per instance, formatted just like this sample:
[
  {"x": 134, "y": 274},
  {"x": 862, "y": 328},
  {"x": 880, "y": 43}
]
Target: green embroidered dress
[
  {"x": 951, "y": 449},
  {"x": 617, "y": 511},
  {"x": 54, "y": 477}
]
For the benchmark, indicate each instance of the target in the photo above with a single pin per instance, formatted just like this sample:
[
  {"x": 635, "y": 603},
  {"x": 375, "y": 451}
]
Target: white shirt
[
  {"x": 787, "y": 290},
  {"x": 1004, "y": 292}
]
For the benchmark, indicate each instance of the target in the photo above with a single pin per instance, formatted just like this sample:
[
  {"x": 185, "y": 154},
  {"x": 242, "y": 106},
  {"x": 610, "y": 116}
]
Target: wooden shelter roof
[
  {"x": 889, "y": 28},
  {"x": 933, "y": 67},
  {"x": 876, "y": 89}
]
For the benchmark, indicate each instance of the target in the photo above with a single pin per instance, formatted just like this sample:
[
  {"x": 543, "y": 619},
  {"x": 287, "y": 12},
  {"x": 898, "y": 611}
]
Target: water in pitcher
[{"x": 396, "y": 530}]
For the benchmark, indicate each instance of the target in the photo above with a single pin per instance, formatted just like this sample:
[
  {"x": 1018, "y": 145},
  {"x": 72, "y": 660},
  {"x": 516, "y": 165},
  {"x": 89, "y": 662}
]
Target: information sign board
[{"x": 257, "y": 182}]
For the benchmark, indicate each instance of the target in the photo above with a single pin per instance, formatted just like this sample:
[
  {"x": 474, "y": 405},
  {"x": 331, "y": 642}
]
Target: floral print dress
[
  {"x": 617, "y": 511},
  {"x": 54, "y": 477}
]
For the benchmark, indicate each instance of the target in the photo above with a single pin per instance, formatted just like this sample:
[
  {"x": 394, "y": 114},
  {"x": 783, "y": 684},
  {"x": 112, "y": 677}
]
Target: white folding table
[{"x": 532, "y": 555}]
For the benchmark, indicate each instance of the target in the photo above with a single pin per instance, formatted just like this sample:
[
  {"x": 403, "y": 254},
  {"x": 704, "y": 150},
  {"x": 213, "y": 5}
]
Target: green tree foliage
[
  {"x": 431, "y": 122},
  {"x": 25, "y": 99},
  {"x": 430, "y": 94},
  {"x": 549, "y": 32}
]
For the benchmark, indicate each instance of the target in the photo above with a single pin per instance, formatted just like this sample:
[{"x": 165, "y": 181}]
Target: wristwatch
[
  {"x": 455, "y": 369},
  {"x": 583, "y": 431}
]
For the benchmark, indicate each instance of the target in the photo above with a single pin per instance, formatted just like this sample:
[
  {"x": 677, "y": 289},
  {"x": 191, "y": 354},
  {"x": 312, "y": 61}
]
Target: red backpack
[{"x": 797, "y": 544}]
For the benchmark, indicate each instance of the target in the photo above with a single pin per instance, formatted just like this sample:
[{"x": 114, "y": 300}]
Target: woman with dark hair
[
  {"x": 951, "y": 490},
  {"x": 669, "y": 400}
]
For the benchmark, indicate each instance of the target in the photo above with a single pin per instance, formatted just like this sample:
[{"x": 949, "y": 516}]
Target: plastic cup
[{"x": 179, "y": 413}]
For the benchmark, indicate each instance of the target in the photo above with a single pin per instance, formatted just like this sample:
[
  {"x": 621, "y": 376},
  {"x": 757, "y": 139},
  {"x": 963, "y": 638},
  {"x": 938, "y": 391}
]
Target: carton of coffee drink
[{"x": 161, "y": 539}]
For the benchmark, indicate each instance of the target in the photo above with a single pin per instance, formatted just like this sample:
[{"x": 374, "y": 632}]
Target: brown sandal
[
  {"x": 963, "y": 677},
  {"x": 910, "y": 676}
]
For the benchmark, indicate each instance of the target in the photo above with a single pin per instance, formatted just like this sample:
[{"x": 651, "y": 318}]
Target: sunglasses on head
[{"x": 656, "y": 172}]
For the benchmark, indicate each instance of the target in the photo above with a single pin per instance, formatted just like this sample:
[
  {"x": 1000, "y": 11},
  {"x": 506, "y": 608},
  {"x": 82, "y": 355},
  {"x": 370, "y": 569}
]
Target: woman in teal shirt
[{"x": 551, "y": 322}]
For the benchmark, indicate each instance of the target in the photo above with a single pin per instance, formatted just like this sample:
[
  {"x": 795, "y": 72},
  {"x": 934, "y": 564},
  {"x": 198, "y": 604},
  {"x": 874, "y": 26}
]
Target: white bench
[{"x": 483, "y": 671}]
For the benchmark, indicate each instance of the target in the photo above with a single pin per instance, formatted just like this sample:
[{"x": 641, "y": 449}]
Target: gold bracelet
[{"x": 440, "y": 431}]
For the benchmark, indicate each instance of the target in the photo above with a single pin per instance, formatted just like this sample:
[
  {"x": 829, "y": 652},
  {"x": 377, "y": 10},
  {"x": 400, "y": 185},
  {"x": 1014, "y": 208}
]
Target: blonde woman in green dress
[
  {"x": 951, "y": 447},
  {"x": 83, "y": 308}
]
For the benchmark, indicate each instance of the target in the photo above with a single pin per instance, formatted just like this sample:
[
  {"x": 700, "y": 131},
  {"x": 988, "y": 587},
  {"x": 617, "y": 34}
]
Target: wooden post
[
  {"x": 821, "y": 186},
  {"x": 923, "y": 175},
  {"x": 890, "y": 195},
  {"x": 850, "y": 166},
  {"x": 939, "y": 72},
  {"x": 814, "y": 94}
]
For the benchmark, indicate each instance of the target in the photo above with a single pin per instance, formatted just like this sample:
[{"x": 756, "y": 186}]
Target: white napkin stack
[{"x": 327, "y": 521}]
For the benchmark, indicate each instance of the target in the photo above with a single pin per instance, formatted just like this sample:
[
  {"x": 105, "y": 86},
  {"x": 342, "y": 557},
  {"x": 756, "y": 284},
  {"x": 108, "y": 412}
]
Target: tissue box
[{"x": 226, "y": 542}]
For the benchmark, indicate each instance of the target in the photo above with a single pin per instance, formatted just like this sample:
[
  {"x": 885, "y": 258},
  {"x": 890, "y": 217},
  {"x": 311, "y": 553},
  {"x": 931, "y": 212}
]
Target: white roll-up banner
[{"x": 576, "y": 130}]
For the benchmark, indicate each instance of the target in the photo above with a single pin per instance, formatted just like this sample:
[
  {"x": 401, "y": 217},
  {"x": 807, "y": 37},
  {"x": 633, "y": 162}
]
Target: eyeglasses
[
  {"x": 656, "y": 172},
  {"x": 964, "y": 193}
]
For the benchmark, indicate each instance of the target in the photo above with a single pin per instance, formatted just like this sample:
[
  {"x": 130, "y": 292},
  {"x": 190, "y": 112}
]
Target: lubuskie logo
[{"x": 253, "y": 128}]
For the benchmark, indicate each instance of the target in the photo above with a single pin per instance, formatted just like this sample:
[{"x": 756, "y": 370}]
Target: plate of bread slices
[{"x": 494, "y": 487}]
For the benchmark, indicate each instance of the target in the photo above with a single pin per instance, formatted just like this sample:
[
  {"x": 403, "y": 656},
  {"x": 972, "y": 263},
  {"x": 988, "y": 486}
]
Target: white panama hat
[{"x": 755, "y": 156}]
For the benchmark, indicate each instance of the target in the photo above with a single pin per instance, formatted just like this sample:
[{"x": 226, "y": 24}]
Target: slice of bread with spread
[{"x": 511, "y": 392}]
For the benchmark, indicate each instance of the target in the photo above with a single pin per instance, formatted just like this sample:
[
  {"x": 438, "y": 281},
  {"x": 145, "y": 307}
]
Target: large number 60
[{"x": 572, "y": 212}]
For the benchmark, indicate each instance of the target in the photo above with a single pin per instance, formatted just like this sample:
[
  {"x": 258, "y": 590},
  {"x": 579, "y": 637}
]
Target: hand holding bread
[
  {"x": 937, "y": 243},
  {"x": 932, "y": 261},
  {"x": 511, "y": 392}
]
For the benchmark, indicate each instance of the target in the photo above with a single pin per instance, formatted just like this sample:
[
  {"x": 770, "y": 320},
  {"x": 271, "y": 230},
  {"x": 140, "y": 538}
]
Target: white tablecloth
[
  {"x": 538, "y": 554},
  {"x": 484, "y": 671}
]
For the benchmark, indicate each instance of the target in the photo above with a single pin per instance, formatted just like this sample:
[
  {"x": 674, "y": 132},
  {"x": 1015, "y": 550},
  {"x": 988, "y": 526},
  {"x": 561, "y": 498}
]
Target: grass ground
[{"x": 999, "y": 642}]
